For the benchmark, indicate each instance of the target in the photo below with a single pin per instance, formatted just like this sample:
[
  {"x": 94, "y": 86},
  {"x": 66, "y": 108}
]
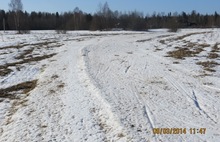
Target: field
[{"x": 110, "y": 86}]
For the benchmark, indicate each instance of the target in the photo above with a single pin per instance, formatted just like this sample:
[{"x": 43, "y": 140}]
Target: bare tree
[
  {"x": 16, "y": 6},
  {"x": 4, "y": 24}
]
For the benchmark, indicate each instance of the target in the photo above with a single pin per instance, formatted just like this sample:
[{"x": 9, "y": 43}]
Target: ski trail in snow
[
  {"x": 127, "y": 69},
  {"x": 148, "y": 114},
  {"x": 146, "y": 109},
  {"x": 198, "y": 106},
  {"x": 181, "y": 89},
  {"x": 196, "y": 101},
  {"x": 210, "y": 87},
  {"x": 106, "y": 115}
]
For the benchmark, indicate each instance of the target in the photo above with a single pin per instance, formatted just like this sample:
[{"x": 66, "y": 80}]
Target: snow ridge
[{"x": 105, "y": 114}]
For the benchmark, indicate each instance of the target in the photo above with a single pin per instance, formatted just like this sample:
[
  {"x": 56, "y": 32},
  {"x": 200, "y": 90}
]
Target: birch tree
[{"x": 16, "y": 6}]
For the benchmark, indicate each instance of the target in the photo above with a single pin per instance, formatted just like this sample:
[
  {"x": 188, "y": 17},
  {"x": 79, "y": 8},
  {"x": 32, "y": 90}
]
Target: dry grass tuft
[
  {"x": 14, "y": 46},
  {"x": 213, "y": 55},
  {"x": 4, "y": 71},
  {"x": 26, "y": 52},
  {"x": 120, "y": 135},
  {"x": 162, "y": 41},
  {"x": 208, "y": 65},
  {"x": 144, "y": 40},
  {"x": 54, "y": 76},
  {"x": 61, "y": 85},
  {"x": 190, "y": 34},
  {"x": 204, "y": 45},
  {"x": 176, "y": 62},
  {"x": 215, "y": 48},
  {"x": 130, "y": 52},
  {"x": 191, "y": 44},
  {"x": 24, "y": 88},
  {"x": 181, "y": 53},
  {"x": 158, "y": 49}
]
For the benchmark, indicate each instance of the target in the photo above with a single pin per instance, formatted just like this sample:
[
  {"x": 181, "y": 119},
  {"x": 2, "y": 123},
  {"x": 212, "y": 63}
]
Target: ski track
[{"x": 112, "y": 87}]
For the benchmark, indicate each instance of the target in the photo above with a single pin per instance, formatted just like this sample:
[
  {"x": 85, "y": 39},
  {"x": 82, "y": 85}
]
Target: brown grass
[
  {"x": 184, "y": 36},
  {"x": 25, "y": 53},
  {"x": 61, "y": 85},
  {"x": 120, "y": 135},
  {"x": 162, "y": 41},
  {"x": 213, "y": 55},
  {"x": 14, "y": 46},
  {"x": 203, "y": 45},
  {"x": 162, "y": 36},
  {"x": 144, "y": 40},
  {"x": 190, "y": 34},
  {"x": 191, "y": 50},
  {"x": 4, "y": 71},
  {"x": 4, "y": 68},
  {"x": 54, "y": 76},
  {"x": 191, "y": 44},
  {"x": 130, "y": 52},
  {"x": 198, "y": 50},
  {"x": 181, "y": 53},
  {"x": 215, "y": 48},
  {"x": 176, "y": 62},
  {"x": 208, "y": 65},
  {"x": 24, "y": 88},
  {"x": 158, "y": 49},
  {"x": 34, "y": 59},
  {"x": 40, "y": 44}
]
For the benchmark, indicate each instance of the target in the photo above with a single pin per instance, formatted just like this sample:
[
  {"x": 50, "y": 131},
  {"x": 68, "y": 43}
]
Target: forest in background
[{"x": 106, "y": 19}]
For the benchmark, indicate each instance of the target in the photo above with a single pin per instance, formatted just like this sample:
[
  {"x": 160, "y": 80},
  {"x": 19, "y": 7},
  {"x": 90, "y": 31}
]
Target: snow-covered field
[{"x": 110, "y": 86}]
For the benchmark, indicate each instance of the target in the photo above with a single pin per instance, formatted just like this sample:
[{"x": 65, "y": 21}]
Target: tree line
[{"x": 104, "y": 19}]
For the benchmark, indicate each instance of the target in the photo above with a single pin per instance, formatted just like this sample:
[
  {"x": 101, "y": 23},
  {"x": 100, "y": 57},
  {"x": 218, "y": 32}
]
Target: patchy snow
[{"x": 110, "y": 86}]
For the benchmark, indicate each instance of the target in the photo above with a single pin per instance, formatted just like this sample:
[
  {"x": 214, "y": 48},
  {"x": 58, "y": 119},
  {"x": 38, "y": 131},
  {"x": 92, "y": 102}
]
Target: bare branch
[{"x": 16, "y": 5}]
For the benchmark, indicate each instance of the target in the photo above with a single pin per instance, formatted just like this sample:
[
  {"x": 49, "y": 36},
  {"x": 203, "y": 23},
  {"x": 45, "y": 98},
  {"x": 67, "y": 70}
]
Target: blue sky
[{"x": 145, "y": 6}]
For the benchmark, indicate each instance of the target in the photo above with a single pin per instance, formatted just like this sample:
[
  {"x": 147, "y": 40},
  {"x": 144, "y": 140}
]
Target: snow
[{"x": 110, "y": 86}]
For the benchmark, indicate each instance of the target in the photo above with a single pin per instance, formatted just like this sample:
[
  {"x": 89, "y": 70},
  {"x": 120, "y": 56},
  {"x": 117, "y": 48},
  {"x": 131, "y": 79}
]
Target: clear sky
[{"x": 145, "y": 6}]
